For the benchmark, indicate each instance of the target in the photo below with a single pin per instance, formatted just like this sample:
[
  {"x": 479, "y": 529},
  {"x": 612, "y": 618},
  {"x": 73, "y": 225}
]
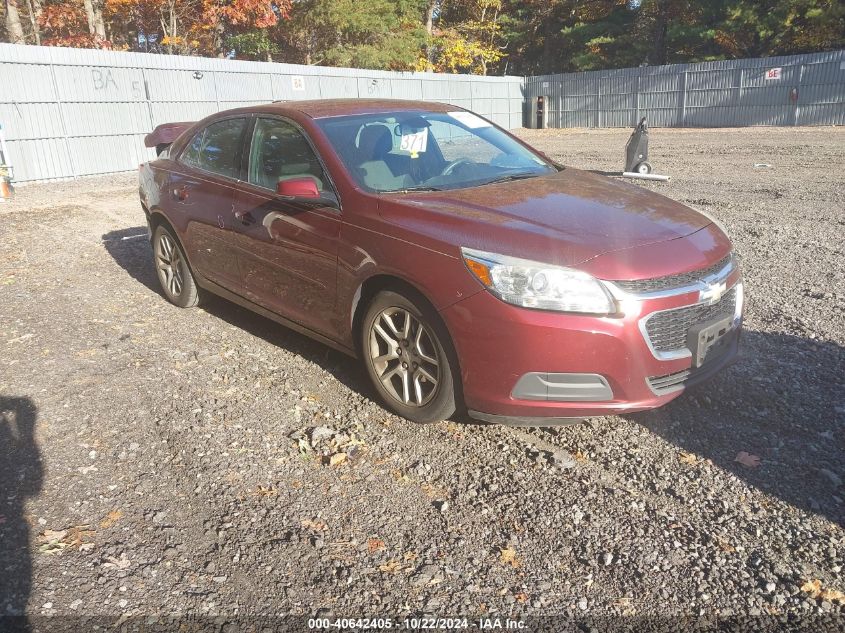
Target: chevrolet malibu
[{"x": 465, "y": 269}]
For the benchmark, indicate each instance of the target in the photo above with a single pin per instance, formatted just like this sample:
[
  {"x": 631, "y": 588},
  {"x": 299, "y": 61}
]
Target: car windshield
[{"x": 426, "y": 151}]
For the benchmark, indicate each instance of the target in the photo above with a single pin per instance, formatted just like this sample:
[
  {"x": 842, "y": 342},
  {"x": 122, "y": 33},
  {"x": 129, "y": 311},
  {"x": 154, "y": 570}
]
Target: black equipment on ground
[{"x": 636, "y": 151}]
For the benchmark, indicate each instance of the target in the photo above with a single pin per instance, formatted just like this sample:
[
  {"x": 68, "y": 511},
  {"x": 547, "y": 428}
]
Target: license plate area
[{"x": 709, "y": 340}]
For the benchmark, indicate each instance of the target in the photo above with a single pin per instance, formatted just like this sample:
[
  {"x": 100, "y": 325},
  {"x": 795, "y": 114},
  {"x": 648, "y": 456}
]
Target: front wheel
[
  {"x": 408, "y": 356},
  {"x": 174, "y": 274}
]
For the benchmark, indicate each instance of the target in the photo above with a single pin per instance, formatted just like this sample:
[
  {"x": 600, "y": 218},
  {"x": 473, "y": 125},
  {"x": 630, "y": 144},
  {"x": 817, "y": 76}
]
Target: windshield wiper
[
  {"x": 509, "y": 177},
  {"x": 409, "y": 189}
]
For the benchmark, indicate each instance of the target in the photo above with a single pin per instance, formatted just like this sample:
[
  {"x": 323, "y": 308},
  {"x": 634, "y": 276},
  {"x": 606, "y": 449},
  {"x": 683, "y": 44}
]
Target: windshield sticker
[
  {"x": 415, "y": 143},
  {"x": 469, "y": 119}
]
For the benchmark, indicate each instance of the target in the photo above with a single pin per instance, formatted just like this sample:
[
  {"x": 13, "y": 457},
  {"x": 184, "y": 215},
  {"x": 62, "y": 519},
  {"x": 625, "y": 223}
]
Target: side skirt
[{"x": 213, "y": 288}]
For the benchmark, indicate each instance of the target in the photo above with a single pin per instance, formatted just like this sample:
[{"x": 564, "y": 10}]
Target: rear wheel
[
  {"x": 174, "y": 274},
  {"x": 408, "y": 357},
  {"x": 644, "y": 168}
]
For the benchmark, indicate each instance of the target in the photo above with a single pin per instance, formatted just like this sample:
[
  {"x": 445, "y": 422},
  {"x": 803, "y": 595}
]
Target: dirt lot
[{"x": 163, "y": 461}]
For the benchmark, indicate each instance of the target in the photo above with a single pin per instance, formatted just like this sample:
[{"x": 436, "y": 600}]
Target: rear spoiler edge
[{"x": 163, "y": 135}]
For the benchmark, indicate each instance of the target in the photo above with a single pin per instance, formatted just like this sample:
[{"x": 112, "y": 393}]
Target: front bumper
[{"x": 499, "y": 344}]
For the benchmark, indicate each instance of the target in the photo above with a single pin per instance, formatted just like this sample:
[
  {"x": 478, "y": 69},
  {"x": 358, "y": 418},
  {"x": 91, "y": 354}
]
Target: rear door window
[{"x": 216, "y": 148}]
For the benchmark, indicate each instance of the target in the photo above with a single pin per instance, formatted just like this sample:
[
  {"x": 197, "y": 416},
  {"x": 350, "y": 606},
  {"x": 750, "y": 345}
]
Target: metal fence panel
[
  {"x": 74, "y": 112},
  {"x": 803, "y": 90}
]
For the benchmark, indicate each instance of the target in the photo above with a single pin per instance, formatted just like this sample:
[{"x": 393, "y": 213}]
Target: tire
[
  {"x": 643, "y": 168},
  {"x": 174, "y": 275},
  {"x": 404, "y": 359}
]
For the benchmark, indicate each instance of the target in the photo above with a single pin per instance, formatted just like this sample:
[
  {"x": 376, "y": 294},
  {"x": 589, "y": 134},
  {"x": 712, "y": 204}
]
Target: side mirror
[{"x": 305, "y": 187}]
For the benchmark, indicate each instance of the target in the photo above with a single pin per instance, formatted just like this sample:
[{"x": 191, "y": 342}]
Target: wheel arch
[
  {"x": 156, "y": 218},
  {"x": 379, "y": 282}
]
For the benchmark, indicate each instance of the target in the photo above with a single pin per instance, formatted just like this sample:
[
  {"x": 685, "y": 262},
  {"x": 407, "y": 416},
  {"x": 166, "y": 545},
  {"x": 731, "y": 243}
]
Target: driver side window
[{"x": 279, "y": 152}]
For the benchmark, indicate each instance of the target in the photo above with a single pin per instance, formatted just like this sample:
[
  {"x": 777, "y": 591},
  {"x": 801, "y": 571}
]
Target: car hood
[{"x": 564, "y": 218}]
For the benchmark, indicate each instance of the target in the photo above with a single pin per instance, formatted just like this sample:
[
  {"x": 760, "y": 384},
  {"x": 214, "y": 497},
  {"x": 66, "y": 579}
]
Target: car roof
[{"x": 322, "y": 108}]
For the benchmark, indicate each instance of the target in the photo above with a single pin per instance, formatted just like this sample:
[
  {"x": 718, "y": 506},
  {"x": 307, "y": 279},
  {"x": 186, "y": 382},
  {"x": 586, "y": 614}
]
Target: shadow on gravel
[
  {"x": 130, "y": 248},
  {"x": 782, "y": 401},
  {"x": 132, "y": 253},
  {"x": 21, "y": 475}
]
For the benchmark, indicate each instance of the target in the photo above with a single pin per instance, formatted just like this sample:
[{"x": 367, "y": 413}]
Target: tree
[
  {"x": 477, "y": 36},
  {"x": 382, "y": 34},
  {"x": 783, "y": 27},
  {"x": 465, "y": 38},
  {"x": 14, "y": 29},
  {"x": 94, "y": 13},
  {"x": 65, "y": 23}
]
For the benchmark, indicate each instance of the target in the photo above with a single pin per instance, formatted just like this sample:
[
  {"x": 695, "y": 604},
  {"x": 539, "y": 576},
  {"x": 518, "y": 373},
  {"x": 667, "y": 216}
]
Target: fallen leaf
[
  {"x": 375, "y": 544},
  {"x": 433, "y": 492},
  {"x": 48, "y": 536},
  {"x": 390, "y": 567},
  {"x": 111, "y": 518},
  {"x": 77, "y": 535},
  {"x": 117, "y": 563},
  {"x": 54, "y": 541},
  {"x": 399, "y": 476},
  {"x": 832, "y": 595},
  {"x": 521, "y": 597},
  {"x": 687, "y": 458},
  {"x": 262, "y": 491},
  {"x": 818, "y": 592},
  {"x": 747, "y": 460},
  {"x": 52, "y": 548},
  {"x": 318, "y": 525},
  {"x": 507, "y": 556},
  {"x": 813, "y": 587},
  {"x": 337, "y": 459},
  {"x": 411, "y": 556}
]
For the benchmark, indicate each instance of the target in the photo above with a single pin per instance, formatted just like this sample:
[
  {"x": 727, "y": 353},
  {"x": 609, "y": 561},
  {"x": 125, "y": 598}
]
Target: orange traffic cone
[{"x": 6, "y": 190}]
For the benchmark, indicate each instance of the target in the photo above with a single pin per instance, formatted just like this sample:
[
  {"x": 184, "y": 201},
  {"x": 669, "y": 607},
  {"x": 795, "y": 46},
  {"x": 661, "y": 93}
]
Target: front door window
[{"x": 281, "y": 152}]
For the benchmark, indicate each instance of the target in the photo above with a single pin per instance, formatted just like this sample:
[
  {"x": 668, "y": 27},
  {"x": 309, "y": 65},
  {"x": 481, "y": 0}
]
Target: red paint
[{"x": 298, "y": 188}]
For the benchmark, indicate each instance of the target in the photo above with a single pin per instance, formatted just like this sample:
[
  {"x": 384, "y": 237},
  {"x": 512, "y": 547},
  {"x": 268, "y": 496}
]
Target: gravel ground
[{"x": 163, "y": 461}]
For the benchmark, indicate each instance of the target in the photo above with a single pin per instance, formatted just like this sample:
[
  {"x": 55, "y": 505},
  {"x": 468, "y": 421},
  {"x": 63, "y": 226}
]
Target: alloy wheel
[
  {"x": 169, "y": 263},
  {"x": 404, "y": 356}
]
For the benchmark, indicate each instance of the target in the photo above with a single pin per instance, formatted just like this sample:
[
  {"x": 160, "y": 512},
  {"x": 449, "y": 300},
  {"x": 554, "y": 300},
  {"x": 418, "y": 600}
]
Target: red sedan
[{"x": 463, "y": 267}]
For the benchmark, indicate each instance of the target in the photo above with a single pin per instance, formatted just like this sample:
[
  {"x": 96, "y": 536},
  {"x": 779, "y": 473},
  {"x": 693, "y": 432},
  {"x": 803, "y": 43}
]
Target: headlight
[{"x": 530, "y": 284}]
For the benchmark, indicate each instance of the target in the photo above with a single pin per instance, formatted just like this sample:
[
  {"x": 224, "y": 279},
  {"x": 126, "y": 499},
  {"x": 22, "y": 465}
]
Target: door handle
[{"x": 180, "y": 193}]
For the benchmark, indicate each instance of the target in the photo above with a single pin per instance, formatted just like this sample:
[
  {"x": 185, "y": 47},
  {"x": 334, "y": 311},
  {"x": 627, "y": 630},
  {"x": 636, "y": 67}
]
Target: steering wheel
[{"x": 451, "y": 166}]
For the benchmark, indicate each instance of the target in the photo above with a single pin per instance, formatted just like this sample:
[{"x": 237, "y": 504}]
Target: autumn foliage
[{"x": 475, "y": 36}]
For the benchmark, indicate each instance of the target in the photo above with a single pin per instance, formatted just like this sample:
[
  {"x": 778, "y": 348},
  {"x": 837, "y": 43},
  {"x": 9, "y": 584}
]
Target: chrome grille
[
  {"x": 641, "y": 286},
  {"x": 667, "y": 330}
]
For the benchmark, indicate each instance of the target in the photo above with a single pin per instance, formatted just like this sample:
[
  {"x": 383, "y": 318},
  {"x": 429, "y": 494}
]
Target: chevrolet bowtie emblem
[{"x": 712, "y": 293}]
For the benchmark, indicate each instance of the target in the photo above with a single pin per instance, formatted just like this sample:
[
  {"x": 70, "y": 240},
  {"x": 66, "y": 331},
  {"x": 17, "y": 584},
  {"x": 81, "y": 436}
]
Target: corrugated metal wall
[
  {"x": 808, "y": 90},
  {"x": 74, "y": 112}
]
